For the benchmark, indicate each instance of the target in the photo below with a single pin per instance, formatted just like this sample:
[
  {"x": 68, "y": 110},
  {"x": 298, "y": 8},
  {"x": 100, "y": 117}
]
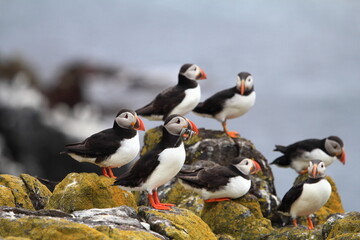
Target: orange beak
[
  {"x": 343, "y": 157},
  {"x": 139, "y": 124},
  {"x": 314, "y": 171},
  {"x": 202, "y": 75},
  {"x": 257, "y": 167},
  {"x": 242, "y": 87},
  {"x": 193, "y": 127}
]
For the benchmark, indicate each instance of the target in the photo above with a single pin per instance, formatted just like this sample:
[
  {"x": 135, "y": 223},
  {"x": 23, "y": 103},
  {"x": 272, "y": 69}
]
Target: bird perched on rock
[
  {"x": 162, "y": 163},
  {"x": 298, "y": 155},
  {"x": 180, "y": 99},
  {"x": 229, "y": 103},
  {"x": 220, "y": 183},
  {"x": 309, "y": 196},
  {"x": 113, "y": 147}
]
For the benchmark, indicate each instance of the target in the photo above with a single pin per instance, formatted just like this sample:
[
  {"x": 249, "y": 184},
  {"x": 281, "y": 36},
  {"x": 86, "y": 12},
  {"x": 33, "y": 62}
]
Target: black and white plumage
[
  {"x": 298, "y": 155},
  {"x": 229, "y": 103},
  {"x": 113, "y": 147},
  {"x": 219, "y": 183},
  {"x": 307, "y": 197},
  {"x": 180, "y": 99},
  {"x": 162, "y": 163}
]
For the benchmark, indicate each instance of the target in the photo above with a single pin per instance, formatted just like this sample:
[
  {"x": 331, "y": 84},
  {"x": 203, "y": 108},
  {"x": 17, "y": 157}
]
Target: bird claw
[
  {"x": 233, "y": 134},
  {"x": 216, "y": 200}
]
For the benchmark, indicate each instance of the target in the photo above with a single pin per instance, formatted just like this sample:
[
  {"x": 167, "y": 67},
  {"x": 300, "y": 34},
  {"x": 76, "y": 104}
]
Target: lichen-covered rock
[
  {"x": 6, "y": 197},
  {"x": 47, "y": 228},
  {"x": 178, "y": 224},
  {"x": 88, "y": 190},
  {"x": 18, "y": 190},
  {"x": 114, "y": 233},
  {"x": 217, "y": 147},
  {"x": 235, "y": 219},
  {"x": 295, "y": 233},
  {"x": 342, "y": 226},
  {"x": 39, "y": 194}
]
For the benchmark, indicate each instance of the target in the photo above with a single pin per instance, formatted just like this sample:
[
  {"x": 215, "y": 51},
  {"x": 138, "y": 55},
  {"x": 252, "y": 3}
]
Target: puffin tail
[
  {"x": 281, "y": 161},
  {"x": 280, "y": 148}
]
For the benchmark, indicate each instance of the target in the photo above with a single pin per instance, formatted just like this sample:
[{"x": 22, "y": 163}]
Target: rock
[
  {"x": 39, "y": 194},
  {"x": 216, "y": 147},
  {"x": 177, "y": 223},
  {"x": 342, "y": 226},
  {"x": 240, "y": 218},
  {"x": 18, "y": 190},
  {"x": 86, "y": 191},
  {"x": 295, "y": 233},
  {"x": 6, "y": 197}
]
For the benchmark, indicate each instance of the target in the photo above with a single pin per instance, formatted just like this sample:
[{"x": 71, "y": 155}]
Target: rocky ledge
[{"x": 87, "y": 206}]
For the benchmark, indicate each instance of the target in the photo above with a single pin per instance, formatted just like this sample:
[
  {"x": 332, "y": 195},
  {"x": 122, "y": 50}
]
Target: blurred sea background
[{"x": 304, "y": 57}]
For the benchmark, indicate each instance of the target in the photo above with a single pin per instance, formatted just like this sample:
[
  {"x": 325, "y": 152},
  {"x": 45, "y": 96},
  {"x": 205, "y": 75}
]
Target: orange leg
[
  {"x": 157, "y": 201},
  {"x": 295, "y": 222},
  {"x": 156, "y": 206},
  {"x": 311, "y": 226},
  {"x": 217, "y": 199},
  {"x": 104, "y": 172},
  {"x": 111, "y": 172},
  {"x": 230, "y": 134}
]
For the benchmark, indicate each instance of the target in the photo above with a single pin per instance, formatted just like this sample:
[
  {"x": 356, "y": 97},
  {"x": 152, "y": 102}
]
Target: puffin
[
  {"x": 309, "y": 196},
  {"x": 113, "y": 147},
  {"x": 221, "y": 183},
  {"x": 298, "y": 154},
  {"x": 162, "y": 163},
  {"x": 179, "y": 99},
  {"x": 229, "y": 103}
]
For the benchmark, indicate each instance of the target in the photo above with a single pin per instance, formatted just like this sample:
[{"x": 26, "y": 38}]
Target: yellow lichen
[{"x": 115, "y": 233}]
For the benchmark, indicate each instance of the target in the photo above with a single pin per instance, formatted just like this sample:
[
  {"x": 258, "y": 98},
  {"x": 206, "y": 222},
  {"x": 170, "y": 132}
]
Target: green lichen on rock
[
  {"x": 39, "y": 194},
  {"x": 151, "y": 138},
  {"x": 88, "y": 190},
  {"x": 233, "y": 218},
  {"x": 114, "y": 233},
  {"x": 47, "y": 228},
  {"x": 6, "y": 197},
  {"x": 179, "y": 224},
  {"x": 18, "y": 189},
  {"x": 342, "y": 226},
  {"x": 184, "y": 198},
  {"x": 295, "y": 233}
]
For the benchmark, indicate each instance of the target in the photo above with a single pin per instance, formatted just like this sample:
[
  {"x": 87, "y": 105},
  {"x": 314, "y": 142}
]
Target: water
[{"x": 304, "y": 56}]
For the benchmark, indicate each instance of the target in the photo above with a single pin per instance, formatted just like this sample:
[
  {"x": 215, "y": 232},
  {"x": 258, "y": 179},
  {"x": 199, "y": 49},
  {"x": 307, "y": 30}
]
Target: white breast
[
  {"x": 171, "y": 162},
  {"x": 236, "y": 106},
  {"x": 312, "y": 198},
  {"x": 125, "y": 154},
  {"x": 302, "y": 162},
  {"x": 191, "y": 100},
  {"x": 237, "y": 187}
]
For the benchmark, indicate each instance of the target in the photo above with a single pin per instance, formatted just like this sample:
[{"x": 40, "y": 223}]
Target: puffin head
[
  {"x": 244, "y": 82},
  {"x": 129, "y": 119},
  {"x": 192, "y": 72},
  {"x": 316, "y": 169},
  {"x": 247, "y": 166},
  {"x": 334, "y": 146},
  {"x": 178, "y": 125}
]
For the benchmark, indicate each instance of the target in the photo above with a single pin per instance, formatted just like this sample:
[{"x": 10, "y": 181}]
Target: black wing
[
  {"x": 211, "y": 179},
  {"x": 214, "y": 104},
  {"x": 100, "y": 144},
  {"x": 290, "y": 197},
  {"x": 141, "y": 170},
  {"x": 164, "y": 103}
]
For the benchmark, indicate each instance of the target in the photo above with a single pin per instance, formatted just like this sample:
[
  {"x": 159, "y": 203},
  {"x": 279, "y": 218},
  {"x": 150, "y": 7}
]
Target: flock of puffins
[{"x": 119, "y": 145}]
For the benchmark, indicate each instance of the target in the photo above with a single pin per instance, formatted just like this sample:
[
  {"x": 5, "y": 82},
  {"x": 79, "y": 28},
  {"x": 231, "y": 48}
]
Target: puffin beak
[
  {"x": 343, "y": 157},
  {"x": 202, "y": 75},
  {"x": 242, "y": 87},
  {"x": 314, "y": 171},
  {"x": 256, "y": 167},
  {"x": 193, "y": 127},
  {"x": 138, "y": 124}
]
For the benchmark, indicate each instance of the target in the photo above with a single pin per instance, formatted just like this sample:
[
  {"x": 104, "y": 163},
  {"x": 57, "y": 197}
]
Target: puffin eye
[
  {"x": 178, "y": 121},
  {"x": 126, "y": 116}
]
